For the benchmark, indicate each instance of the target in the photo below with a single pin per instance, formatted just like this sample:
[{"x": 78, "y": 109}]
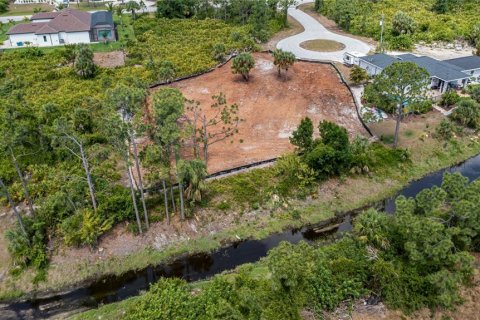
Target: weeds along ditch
[{"x": 201, "y": 266}]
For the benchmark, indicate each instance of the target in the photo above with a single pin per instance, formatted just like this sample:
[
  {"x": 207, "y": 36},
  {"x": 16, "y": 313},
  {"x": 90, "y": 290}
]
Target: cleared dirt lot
[
  {"x": 271, "y": 107},
  {"x": 109, "y": 59}
]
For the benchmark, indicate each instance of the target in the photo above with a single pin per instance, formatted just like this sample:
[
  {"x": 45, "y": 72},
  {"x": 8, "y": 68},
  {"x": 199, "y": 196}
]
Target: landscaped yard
[
  {"x": 413, "y": 129},
  {"x": 26, "y": 9},
  {"x": 124, "y": 30}
]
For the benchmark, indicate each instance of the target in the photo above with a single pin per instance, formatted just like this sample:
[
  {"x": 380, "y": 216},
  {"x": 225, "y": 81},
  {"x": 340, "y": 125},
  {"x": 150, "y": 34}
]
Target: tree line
[
  {"x": 256, "y": 12},
  {"x": 80, "y": 171}
]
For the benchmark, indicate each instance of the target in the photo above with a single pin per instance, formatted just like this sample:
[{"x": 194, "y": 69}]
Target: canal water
[{"x": 204, "y": 265}]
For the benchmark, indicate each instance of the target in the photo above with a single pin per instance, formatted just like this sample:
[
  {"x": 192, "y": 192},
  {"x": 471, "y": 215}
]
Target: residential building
[
  {"x": 443, "y": 75},
  {"x": 68, "y": 26},
  {"x": 469, "y": 65},
  {"x": 52, "y": 2}
]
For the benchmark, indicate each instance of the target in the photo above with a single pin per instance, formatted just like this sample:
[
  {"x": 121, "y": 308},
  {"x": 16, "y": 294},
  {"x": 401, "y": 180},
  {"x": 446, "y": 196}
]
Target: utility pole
[{"x": 381, "y": 32}]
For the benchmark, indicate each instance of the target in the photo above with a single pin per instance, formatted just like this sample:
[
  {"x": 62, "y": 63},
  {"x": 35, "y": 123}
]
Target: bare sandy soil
[
  {"x": 439, "y": 53},
  {"x": 109, "y": 59},
  {"x": 271, "y": 107}
]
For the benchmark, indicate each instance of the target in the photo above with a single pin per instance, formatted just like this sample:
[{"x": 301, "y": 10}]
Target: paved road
[{"x": 315, "y": 30}]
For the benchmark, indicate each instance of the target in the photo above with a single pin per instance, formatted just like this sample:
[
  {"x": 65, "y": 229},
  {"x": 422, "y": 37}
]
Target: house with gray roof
[
  {"x": 443, "y": 74},
  {"x": 469, "y": 65},
  {"x": 68, "y": 26}
]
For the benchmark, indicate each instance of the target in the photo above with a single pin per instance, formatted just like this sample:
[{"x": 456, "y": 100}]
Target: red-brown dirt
[{"x": 271, "y": 107}]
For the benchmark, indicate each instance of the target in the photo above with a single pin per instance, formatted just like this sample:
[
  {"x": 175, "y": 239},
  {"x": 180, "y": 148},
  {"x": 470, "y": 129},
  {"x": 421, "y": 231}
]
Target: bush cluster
[
  {"x": 334, "y": 154},
  {"x": 406, "y": 21},
  {"x": 415, "y": 258},
  {"x": 467, "y": 113}
]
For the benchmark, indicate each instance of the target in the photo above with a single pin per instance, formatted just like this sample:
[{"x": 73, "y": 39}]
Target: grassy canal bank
[{"x": 255, "y": 221}]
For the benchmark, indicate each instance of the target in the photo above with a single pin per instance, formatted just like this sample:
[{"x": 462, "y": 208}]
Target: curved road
[{"x": 314, "y": 30}]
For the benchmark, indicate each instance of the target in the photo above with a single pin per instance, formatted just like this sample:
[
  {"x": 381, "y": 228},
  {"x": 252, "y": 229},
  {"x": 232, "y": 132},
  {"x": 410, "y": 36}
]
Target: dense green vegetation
[
  {"x": 333, "y": 154},
  {"x": 406, "y": 22},
  {"x": 416, "y": 258},
  {"x": 3, "y": 6},
  {"x": 178, "y": 40},
  {"x": 59, "y": 157}
]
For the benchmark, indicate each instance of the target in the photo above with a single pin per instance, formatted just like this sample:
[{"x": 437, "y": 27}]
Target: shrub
[
  {"x": 219, "y": 51},
  {"x": 403, "y": 24},
  {"x": 116, "y": 203},
  {"x": 445, "y": 130},
  {"x": 84, "y": 228},
  {"x": 294, "y": 174},
  {"x": 420, "y": 107},
  {"x": 333, "y": 135},
  {"x": 166, "y": 299},
  {"x": 323, "y": 159},
  {"x": 402, "y": 42},
  {"x": 410, "y": 260},
  {"x": 166, "y": 71},
  {"x": 28, "y": 250},
  {"x": 361, "y": 155},
  {"x": 358, "y": 75},
  {"x": 467, "y": 113},
  {"x": 83, "y": 64},
  {"x": 474, "y": 92},
  {"x": 302, "y": 137},
  {"x": 242, "y": 64},
  {"x": 449, "y": 98}
]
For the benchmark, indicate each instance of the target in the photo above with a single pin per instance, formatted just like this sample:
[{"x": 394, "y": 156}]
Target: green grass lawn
[
  {"x": 85, "y": 6},
  {"x": 26, "y": 9},
  {"x": 29, "y": 9}
]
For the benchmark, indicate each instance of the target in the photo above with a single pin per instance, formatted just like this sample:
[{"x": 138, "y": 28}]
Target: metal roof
[{"x": 466, "y": 63}]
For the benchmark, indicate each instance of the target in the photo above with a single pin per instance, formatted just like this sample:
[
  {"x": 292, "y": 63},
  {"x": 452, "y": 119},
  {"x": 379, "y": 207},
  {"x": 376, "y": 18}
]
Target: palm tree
[
  {"x": 110, "y": 7},
  {"x": 119, "y": 11},
  {"x": 192, "y": 175},
  {"x": 142, "y": 5},
  {"x": 132, "y": 6},
  {"x": 104, "y": 34}
]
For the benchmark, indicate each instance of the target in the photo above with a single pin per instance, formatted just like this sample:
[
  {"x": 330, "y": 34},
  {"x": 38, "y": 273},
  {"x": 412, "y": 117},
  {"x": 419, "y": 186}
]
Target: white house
[
  {"x": 68, "y": 26},
  {"x": 53, "y": 2}
]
